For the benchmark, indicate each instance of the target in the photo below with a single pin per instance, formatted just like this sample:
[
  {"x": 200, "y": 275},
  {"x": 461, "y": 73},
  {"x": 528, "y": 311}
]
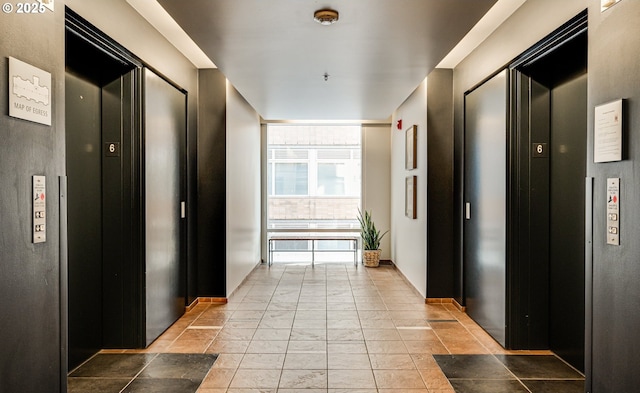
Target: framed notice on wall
[
  {"x": 607, "y": 132},
  {"x": 410, "y": 148},
  {"x": 410, "y": 190}
]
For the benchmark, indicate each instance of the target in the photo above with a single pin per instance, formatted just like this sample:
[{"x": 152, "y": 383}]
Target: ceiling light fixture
[{"x": 326, "y": 16}]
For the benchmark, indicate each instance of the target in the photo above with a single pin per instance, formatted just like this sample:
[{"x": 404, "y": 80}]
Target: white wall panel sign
[{"x": 29, "y": 92}]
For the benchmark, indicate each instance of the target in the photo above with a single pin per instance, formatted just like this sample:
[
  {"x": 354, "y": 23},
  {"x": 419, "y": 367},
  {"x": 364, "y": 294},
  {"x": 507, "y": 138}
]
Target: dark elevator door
[
  {"x": 102, "y": 275},
  {"x": 485, "y": 182},
  {"x": 165, "y": 138},
  {"x": 562, "y": 72},
  {"x": 83, "y": 118},
  {"x": 567, "y": 220}
]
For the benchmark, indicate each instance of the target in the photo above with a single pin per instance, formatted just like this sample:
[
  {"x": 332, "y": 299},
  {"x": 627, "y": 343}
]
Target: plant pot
[{"x": 371, "y": 258}]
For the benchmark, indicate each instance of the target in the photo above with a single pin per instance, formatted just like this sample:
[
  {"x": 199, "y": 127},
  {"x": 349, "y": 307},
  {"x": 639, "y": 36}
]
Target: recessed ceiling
[{"x": 288, "y": 67}]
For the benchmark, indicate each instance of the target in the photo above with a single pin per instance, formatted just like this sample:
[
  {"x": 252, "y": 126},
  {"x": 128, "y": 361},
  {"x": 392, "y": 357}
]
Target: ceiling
[{"x": 375, "y": 56}]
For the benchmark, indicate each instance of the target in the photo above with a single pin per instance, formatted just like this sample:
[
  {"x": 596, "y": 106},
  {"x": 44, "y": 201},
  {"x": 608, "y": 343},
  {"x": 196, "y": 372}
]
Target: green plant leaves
[{"x": 370, "y": 234}]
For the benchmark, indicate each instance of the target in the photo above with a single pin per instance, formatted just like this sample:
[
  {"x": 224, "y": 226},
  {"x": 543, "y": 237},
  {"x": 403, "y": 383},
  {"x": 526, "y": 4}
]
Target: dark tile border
[
  {"x": 141, "y": 373},
  {"x": 510, "y": 374}
]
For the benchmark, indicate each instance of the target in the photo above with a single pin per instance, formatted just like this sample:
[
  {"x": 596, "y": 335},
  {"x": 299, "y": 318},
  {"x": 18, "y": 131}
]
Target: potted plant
[{"x": 371, "y": 237}]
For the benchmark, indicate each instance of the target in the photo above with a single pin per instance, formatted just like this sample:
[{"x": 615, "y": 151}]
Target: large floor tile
[
  {"x": 184, "y": 366},
  {"x": 404, "y": 379},
  {"x": 245, "y": 378},
  {"x": 348, "y": 361},
  {"x": 97, "y": 385},
  {"x": 303, "y": 379},
  {"x": 113, "y": 365},
  {"x": 305, "y": 361},
  {"x": 165, "y": 385},
  {"x": 538, "y": 367},
  {"x": 262, "y": 361},
  {"x": 351, "y": 379},
  {"x": 472, "y": 367},
  {"x": 487, "y": 386},
  {"x": 554, "y": 386}
]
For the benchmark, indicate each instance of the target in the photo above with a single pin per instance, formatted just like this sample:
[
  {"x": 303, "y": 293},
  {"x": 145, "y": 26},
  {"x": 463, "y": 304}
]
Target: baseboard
[
  {"x": 212, "y": 300},
  {"x": 220, "y": 300},
  {"x": 216, "y": 300},
  {"x": 406, "y": 280},
  {"x": 459, "y": 306},
  {"x": 192, "y": 305},
  {"x": 445, "y": 300},
  {"x": 438, "y": 300}
]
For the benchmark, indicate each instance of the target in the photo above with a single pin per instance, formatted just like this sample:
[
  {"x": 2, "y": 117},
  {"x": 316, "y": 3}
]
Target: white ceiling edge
[
  {"x": 500, "y": 11},
  {"x": 153, "y": 12}
]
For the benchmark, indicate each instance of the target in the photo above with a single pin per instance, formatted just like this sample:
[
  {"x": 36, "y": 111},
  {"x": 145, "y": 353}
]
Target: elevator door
[
  {"x": 557, "y": 107},
  {"x": 485, "y": 182},
  {"x": 102, "y": 267},
  {"x": 84, "y": 218},
  {"x": 568, "y": 170},
  {"x": 164, "y": 134}
]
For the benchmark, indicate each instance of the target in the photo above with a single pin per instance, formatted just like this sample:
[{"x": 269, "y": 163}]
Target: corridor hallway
[{"x": 333, "y": 328}]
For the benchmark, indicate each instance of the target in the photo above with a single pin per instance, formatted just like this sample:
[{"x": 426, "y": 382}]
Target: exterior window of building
[
  {"x": 313, "y": 177},
  {"x": 291, "y": 178},
  {"x": 313, "y": 189}
]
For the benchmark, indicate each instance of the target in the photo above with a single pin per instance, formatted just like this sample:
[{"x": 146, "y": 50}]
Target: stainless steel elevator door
[{"x": 485, "y": 189}]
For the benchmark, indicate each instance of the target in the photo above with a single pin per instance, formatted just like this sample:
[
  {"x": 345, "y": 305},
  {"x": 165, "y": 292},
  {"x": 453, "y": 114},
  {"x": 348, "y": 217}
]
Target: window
[
  {"x": 331, "y": 179},
  {"x": 291, "y": 179},
  {"x": 313, "y": 176}
]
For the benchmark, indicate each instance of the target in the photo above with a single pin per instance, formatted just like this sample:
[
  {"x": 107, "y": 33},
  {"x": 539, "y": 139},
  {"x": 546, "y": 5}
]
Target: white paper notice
[
  {"x": 30, "y": 92},
  {"x": 607, "y": 145}
]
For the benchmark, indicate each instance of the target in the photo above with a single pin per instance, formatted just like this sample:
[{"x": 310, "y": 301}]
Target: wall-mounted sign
[
  {"x": 410, "y": 200},
  {"x": 607, "y": 136},
  {"x": 29, "y": 92}
]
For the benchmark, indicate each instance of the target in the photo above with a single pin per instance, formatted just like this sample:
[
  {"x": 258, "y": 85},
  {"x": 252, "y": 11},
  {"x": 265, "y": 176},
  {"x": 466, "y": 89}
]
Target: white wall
[
  {"x": 376, "y": 179},
  {"x": 409, "y": 236},
  {"x": 243, "y": 189}
]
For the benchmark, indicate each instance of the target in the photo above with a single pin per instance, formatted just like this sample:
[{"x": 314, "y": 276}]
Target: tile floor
[{"x": 337, "y": 328}]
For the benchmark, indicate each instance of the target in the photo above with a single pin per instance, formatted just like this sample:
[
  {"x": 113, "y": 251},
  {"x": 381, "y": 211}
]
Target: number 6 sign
[
  {"x": 539, "y": 150},
  {"x": 112, "y": 149}
]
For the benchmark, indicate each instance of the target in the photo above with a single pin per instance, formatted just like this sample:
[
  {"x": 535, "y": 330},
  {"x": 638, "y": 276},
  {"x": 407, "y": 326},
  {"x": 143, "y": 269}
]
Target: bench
[{"x": 354, "y": 239}]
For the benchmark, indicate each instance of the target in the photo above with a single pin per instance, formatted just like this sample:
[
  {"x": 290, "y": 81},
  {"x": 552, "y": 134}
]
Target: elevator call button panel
[
  {"x": 613, "y": 211},
  {"x": 39, "y": 209}
]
